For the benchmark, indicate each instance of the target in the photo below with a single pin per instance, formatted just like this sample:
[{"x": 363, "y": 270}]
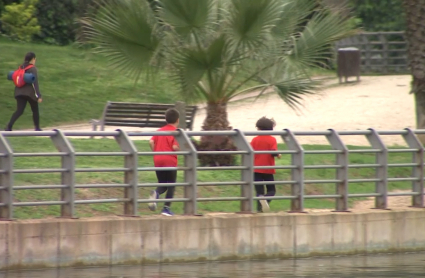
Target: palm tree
[
  {"x": 216, "y": 50},
  {"x": 415, "y": 35}
]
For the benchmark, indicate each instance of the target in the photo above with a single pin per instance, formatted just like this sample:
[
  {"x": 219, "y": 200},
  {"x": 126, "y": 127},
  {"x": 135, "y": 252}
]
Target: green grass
[
  {"x": 33, "y": 144},
  {"x": 75, "y": 84}
]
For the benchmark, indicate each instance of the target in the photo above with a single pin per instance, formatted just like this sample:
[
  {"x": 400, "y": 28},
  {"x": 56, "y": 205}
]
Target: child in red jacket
[
  {"x": 264, "y": 143},
  {"x": 165, "y": 144}
]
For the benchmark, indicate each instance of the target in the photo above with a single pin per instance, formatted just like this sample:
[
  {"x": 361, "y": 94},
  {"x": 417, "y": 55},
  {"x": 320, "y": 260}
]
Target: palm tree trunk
[
  {"x": 415, "y": 35},
  {"x": 216, "y": 120},
  {"x": 216, "y": 117}
]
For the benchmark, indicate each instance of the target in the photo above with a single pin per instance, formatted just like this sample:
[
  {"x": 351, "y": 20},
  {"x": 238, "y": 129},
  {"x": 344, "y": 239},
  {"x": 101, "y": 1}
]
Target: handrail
[{"x": 297, "y": 166}]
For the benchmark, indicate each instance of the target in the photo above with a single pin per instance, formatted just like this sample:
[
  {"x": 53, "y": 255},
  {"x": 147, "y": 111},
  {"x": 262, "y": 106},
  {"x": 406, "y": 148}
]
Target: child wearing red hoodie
[{"x": 264, "y": 143}]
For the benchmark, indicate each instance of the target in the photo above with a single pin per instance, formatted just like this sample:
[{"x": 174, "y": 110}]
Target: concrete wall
[{"x": 63, "y": 242}]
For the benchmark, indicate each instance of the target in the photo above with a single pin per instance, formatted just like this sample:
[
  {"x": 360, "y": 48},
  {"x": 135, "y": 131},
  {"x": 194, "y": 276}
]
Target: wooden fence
[{"x": 383, "y": 52}]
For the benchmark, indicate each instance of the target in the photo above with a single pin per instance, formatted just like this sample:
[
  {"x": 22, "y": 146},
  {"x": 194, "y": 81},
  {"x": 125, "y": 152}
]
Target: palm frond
[
  {"x": 187, "y": 17},
  {"x": 313, "y": 44},
  {"x": 292, "y": 88},
  {"x": 193, "y": 64},
  {"x": 249, "y": 23},
  {"x": 294, "y": 15},
  {"x": 124, "y": 32},
  {"x": 290, "y": 83}
]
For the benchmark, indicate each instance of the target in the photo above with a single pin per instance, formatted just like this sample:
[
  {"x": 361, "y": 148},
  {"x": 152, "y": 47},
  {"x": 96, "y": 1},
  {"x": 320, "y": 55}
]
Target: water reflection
[{"x": 388, "y": 265}]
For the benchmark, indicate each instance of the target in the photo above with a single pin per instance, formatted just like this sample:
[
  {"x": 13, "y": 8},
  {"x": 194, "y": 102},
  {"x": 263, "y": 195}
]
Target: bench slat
[
  {"x": 141, "y": 114},
  {"x": 114, "y": 116},
  {"x": 144, "y": 124}
]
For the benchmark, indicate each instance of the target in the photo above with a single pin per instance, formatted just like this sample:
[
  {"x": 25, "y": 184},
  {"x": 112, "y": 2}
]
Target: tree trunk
[
  {"x": 216, "y": 120},
  {"x": 415, "y": 35}
]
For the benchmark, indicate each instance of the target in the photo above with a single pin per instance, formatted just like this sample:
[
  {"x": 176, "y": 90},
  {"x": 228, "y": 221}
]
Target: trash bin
[{"x": 348, "y": 61}]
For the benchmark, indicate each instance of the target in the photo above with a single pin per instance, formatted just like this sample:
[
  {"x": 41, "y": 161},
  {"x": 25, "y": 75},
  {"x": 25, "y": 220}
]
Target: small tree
[{"x": 19, "y": 21}]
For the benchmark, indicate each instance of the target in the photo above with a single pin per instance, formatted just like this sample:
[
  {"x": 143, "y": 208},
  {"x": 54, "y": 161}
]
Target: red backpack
[{"x": 18, "y": 76}]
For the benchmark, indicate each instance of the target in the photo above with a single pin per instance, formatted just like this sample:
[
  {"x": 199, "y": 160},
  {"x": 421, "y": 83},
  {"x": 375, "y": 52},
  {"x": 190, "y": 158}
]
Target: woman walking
[{"x": 28, "y": 93}]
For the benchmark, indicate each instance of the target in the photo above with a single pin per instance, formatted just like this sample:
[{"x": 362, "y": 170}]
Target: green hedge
[{"x": 380, "y": 15}]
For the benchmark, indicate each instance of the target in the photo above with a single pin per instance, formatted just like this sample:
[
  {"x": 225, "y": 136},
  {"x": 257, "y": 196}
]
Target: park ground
[
  {"x": 77, "y": 84},
  {"x": 380, "y": 102}
]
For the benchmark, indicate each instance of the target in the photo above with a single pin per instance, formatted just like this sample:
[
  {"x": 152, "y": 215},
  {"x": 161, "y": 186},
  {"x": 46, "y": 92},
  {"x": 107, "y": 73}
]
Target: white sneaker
[
  {"x": 152, "y": 196},
  {"x": 264, "y": 204}
]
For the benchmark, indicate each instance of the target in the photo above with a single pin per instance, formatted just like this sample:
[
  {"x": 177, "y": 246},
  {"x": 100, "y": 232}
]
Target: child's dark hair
[
  {"x": 171, "y": 116},
  {"x": 29, "y": 56},
  {"x": 265, "y": 124}
]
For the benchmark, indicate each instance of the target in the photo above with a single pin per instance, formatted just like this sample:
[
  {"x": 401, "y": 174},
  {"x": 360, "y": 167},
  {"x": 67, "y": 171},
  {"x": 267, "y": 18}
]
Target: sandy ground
[{"x": 380, "y": 102}]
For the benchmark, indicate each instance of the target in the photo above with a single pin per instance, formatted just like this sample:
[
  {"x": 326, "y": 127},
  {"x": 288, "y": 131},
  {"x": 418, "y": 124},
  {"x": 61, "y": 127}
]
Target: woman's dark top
[{"x": 29, "y": 90}]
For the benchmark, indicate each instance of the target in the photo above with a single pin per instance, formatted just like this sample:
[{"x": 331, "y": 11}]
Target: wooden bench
[{"x": 139, "y": 115}]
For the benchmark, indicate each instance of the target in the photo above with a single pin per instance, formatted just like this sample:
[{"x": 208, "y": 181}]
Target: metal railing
[{"x": 295, "y": 150}]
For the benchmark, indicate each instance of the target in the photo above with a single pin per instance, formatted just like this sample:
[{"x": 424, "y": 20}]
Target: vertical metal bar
[
  {"x": 190, "y": 176},
  {"x": 381, "y": 186},
  {"x": 417, "y": 171},
  {"x": 385, "y": 50},
  {"x": 297, "y": 159},
  {"x": 62, "y": 144},
  {"x": 130, "y": 177},
  {"x": 247, "y": 175},
  {"x": 341, "y": 173},
  {"x": 6, "y": 180}
]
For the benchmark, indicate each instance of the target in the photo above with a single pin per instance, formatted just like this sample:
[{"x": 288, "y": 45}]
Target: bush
[
  {"x": 380, "y": 15},
  {"x": 57, "y": 21},
  {"x": 19, "y": 21}
]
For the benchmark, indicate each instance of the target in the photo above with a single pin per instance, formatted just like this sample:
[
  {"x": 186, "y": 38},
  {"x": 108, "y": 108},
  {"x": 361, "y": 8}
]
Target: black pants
[
  {"x": 259, "y": 188},
  {"x": 166, "y": 177},
  {"x": 21, "y": 103}
]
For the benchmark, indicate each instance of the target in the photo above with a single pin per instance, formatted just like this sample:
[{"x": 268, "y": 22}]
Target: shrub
[
  {"x": 57, "y": 21},
  {"x": 19, "y": 21}
]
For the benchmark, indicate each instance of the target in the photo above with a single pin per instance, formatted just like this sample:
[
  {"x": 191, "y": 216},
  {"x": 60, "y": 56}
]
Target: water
[{"x": 388, "y": 265}]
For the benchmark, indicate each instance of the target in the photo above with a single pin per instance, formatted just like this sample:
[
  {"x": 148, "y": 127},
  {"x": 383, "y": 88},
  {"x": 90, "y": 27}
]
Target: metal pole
[
  {"x": 62, "y": 144},
  {"x": 6, "y": 180},
  {"x": 381, "y": 186},
  {"x": 130, "y": 177},
  {"x": 341, "y": 173},
  {"x": 417, "y": 171},
  {"x": 247, "y": 175},
  {"x": 190, "y": 175},
  {"x": 297, "y": 189}
]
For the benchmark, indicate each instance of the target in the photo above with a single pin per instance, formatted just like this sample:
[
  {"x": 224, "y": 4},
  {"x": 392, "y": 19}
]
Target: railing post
[
  {"x": 190, "y": 176},
  {"x": 297, "y": 174},
  {"x": 131, "y": 176},
  {"x": 381, "y": 186},
  {"x": 341, "y": 173},
  {"x": 385, "y": 50},
  {"x": 417, "y": 171},
  {"x": 368, "y": 53},
  {"x": 62, "y": 144},
  {"x": 247, "y": 175},
  {"x": 6, "y": 180}
]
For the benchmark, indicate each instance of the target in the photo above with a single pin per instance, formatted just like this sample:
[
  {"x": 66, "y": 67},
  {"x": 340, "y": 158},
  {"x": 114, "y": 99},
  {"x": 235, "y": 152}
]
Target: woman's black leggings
[{"x": 21, "y": 103}]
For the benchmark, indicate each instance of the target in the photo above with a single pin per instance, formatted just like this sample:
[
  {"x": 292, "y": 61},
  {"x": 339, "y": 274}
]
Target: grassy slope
[
  {"x": 43, "y": 144},
  {"x": 75, "y": 85}
]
